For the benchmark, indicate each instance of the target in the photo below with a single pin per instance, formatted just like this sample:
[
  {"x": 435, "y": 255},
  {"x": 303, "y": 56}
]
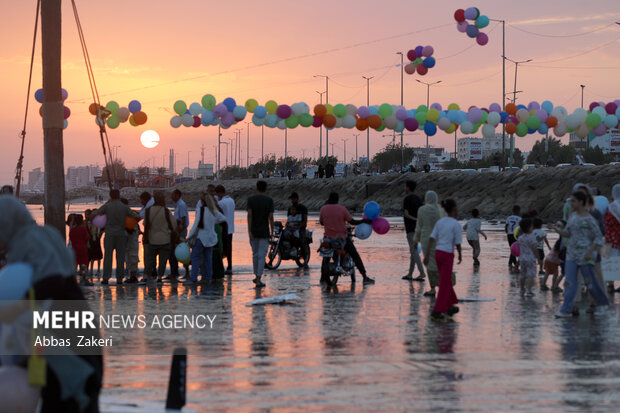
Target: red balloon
[
  {"x": 66, "y": 112},
  {"x": 412, "y": 55},
  {"x": 196, "y": 121},
  {"x": 329, "y": 121},
  {"x": 361, "y": 124},
  {"x": 411, "y": 124},
  {"x": 422, "y": 70},
  {"x": 459, "y": 15},
  {"x": 611, "y": 108},
  {"x": 593, "y": 105}
]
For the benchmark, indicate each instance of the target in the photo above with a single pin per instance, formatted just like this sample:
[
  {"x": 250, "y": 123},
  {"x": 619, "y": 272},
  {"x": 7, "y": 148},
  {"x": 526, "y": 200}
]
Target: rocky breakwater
[{"x": 493, "y": 194}]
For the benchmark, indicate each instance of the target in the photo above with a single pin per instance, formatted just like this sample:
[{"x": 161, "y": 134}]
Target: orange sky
[{"x": 152, "y": 45}]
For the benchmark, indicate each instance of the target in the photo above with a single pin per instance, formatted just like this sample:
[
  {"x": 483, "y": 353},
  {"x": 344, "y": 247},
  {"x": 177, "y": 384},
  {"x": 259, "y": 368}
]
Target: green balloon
[
  {"x": 476, "y": 127},
  {"x": 306, "y": 119},
  {"x": 533, "y": 122},
  {"x": 381, "y": 128},
  {"x": 113, "y": 107},
  {"x": 113, "y": 122},
  {"x": 208, "y": 102},
  {"x": 340, "y": 110},
  {"x": 292, "y": 122},
  {"x": 385, "y": 110},
  {"x": 521, "y": 129},
  {"x": 422, "y": 108},
  {"x": 485, "y": 115},
  {"x": 420, "y": 117},
  {"x": 593, "y": 120},
  {"x": 180, "y": 107}
]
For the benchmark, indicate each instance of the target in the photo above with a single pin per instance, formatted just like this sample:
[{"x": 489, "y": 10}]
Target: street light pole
[
  {"x": 320, "y": 129},
  {"x": 428, "y": 95},
  {"x": 262, "y": 144},
  {"x": 503, "y": 22},
  {"x": 587, "y": 138},
  {"x": 345, "y": 149},
  {"x": 368, "y": 129},
  {"x": 219, "y": 144},
  {"x": 247, "y": 147},
  {"x": 402, "y": 71},
  {"x": 356, "y": 157},
  {"x": 326, "y": 102},
  {"x": 285, "y": 148},
  {"x": 514, "y": 97}
]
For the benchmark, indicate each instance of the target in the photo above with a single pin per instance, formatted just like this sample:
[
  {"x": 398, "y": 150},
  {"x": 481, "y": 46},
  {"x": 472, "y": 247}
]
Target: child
[
  {"x": 541, "y": 239},
  {"x": 551, "y": 265},
  {"x": 473, "y": 229},
  {"x": 94, "y": 245},
  {"x": 512, "y": 222},
  {"x": 527, "y": 259},
  {"x": 447, "y": 234},
  {"x": 79, "y": 237}
]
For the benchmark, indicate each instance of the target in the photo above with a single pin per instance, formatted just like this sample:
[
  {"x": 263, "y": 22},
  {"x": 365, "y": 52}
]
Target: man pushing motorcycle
[{"x": 334, "y": 218}]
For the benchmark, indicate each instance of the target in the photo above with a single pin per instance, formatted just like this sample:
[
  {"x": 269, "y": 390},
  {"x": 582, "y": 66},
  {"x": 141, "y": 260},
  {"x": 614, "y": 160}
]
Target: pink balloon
[
  {"x": 422, "y": 70},
  {"x": 599, "y": 130},
  {"x": 593, "y": 105},
  {"x": 482, "y": 38},
  {"x": 611, "y": 108},
  {"x": 401, "y": 114},
  {"x": 461, "y": 26},
  {"x": 542, "y": 115},
  {"x": 515, "y": 250},
  {"x": 380, "y": 225},
  {"x": 427, "y": 51}
]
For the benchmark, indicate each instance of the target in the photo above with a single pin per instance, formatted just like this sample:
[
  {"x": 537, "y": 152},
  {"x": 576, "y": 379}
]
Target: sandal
[
  {"x": 429, "y": 293},
  {"x": 420, "y": 278}
]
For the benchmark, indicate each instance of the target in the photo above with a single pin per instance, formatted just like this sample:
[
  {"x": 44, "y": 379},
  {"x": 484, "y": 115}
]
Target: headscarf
[
  {"x": 41, "y": 247},
  {"x": 614, "y": 207}
]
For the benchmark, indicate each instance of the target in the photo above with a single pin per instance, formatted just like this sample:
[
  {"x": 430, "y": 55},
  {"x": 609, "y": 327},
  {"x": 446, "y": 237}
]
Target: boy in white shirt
[{"x": 473, "y": 228}]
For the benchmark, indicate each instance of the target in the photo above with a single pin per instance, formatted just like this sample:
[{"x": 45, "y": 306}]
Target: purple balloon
[
  {"x": 401, "y": 114},
  {"x": 412, "y": 55},
  {"x": 533, "y": 106},
  {"x": 462, "y": 26},
  {"x": 542, "y": 115},
  {"x": 363, "y": 112},
  {"x": 411, "y": 124},
  {"x": 427, "y": 51},
  {"x": 418, "y": 50},
  {"x": 220, "y": 110},
  {"x": 228, "y": 119},
  {"x": 512, "y": 119},
  {"x": 64, "y": 93},
  {"x": 599, "y": 130},
  {"x": 472, "y": 30},
  {"x": 482, "y": 39},
  {"x": 436, "y": 106},
  {"x": 318, "y": 122},
  {"x": 471, "y": 13},
  {"x": 474, "y": 115},
  {"x": 495, "y": 107},
  {"x": 284, "y": 111}
]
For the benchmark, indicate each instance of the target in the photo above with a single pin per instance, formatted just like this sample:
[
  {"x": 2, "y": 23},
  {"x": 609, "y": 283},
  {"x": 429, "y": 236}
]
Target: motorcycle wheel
[
  {"x": 328, "y": 272},
  {"x": 273, "y": 258},
  {"x": 303, "y": 261}
]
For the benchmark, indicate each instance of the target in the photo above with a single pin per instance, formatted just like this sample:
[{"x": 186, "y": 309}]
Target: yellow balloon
[
  {"x": 452, "y": 128},
  {"x": 330, "y": 109},
  {"x": 453, "y": 106},
  {"x": 432, "y": 115},
  {"x": 271, "y": 107}
]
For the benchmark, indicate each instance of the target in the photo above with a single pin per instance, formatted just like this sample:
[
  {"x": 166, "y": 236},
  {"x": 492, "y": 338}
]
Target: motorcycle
[
  {"x": 336, "y": 261},
  {"x": 284, "y": 246}
]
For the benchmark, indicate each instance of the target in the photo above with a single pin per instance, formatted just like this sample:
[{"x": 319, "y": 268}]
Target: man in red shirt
[{"x": 334, "y": 218}]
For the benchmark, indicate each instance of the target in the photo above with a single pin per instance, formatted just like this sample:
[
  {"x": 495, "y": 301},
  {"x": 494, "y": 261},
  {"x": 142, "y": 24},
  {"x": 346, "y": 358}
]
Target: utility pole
[
  {"x": 402, "y": 71},
  {"x": 345, "y": 149},
  {"x": 503, "y": 22},
  {"x": 247, "y": 147},
  {"x": 53, "y": 151},
  {"x": 320, "y": 129},
  {"x": 326, "y": 102},
  {"x": 428, "y": 95},
  {"x": 262, "y": 144},
  {"x": 514, "y": 97},
  {"x": 356, "y": 158},
  {"x": 587, "y": 137},
  {"x": 368, "y": 129},
  {"x": 219, "y": 144},
  {"x": 285, "y": 148},
  {"x": 202, "y": 153}
]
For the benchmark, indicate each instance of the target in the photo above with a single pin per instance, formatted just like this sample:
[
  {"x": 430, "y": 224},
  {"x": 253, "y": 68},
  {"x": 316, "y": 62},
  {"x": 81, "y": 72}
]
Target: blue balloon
[
  {"x": 258, "y": 121},
  {"x": 601, "y": 203},
  {"x": 182, "y": 252},
  {"x": 239, "y": 112},
  {"x": 207, "y": 117},
  {"x": 38, "y": 95},
  {"x": 429, "y": 62},
  {"x": 363, "y": 231},
  {"x": 543, "y": 129},
  {"x": 230, "y": 104},
  {"x": 134, "y": 106},
  {"x": 472, "y": 31},
  {"x": 215, "y": 122},
  {"x": 430, "y": 128},
  {"x": 482, "y": 21},
  {"x": 271, "y": 120},
  {"x": 503, "y": 116},
  {"x": 521, "y": 106},
  {"x": 453, "y": 116},
  {"x": 530, "y": 131},
  {"x": 260, "y": 112},
  {"x": 15, "y": 281},
  {"x": 400, "y": 127},
  {"x": 373, "y": 110},
  {"x": 372, "y": 210},
  {"x": 411, "y": 113},
  {"x": 547, "y": 106}
]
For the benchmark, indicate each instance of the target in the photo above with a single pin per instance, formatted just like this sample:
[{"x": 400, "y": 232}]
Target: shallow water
[{"x": 374, "y": 347}]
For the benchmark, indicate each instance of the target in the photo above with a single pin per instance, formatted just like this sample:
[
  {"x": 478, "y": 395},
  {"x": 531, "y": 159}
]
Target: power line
[
  {"x": 578, "y": 54},
  {"x": 562, "y": 35}
]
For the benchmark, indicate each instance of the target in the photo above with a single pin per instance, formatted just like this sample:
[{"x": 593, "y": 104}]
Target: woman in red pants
[{"x": 446, "y": 234}]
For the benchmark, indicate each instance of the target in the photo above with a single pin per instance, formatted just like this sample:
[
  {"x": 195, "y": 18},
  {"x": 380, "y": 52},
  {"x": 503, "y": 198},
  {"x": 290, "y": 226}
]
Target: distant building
[
  {"x": 80, "y": 176},
  {"x": 472, "y": 149},
  {"x": 171, "y": 168},
  {"x": 36, "y": 180},
  {"x": 189, "y": 173},
  {"x": 609, "y": 142}
]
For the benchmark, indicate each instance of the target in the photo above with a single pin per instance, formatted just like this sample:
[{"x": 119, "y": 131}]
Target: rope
[
  {"x": 20, "y": 161},
  {"x": 103, "y": 134}
]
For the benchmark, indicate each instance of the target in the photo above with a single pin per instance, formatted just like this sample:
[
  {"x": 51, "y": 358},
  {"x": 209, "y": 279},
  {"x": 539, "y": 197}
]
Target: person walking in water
[
  {"x": 260, "y": 226},
  {"x": 411, "y": 205},
  {"x": 115, "y": 236},
  {"x": 528, "y": 257},
  {"x": 157, "y": 240},
  {"x": 181, "y": 218},
  {"x": 227, "y": 205},
  {"x": 79, "y": 237},
  {"x": 584, "y": 241},
  {"x": 447, "y": 234},
  {"x": 473, "y": 228},
  {"x": 512, "y": 222},
  {"x": 428, "y": 215}
]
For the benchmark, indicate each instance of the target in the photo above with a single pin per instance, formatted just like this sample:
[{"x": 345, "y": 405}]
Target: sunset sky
[{"x": 147, "y": 50}]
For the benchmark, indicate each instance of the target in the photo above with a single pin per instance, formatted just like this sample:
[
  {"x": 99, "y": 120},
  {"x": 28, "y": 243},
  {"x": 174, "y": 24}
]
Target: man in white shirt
[{"x": 227, "y": 204}]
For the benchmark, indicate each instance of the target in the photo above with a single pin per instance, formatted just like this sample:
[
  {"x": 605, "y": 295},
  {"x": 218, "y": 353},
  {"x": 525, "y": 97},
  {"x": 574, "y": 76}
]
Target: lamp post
[
  {"x": 356, "y": 158},
  {"x": 368, "y": 129},
  {"x": 503, "y": 22},
  {"x": 285, "y": 148},
  {"x": 247, "y": 147},
  {"x": 219, "y": 144},
  {"x": 227, "y": 145},
  {"x": 402, "y": 71},
  {"x": 320, "y": 129},
  {"x": 582, "y": 88},
  {"x": 428, "y": 95},
  {"x": 326, "y": 101},
  {"x": 262, "y": 144},
  {"x": 514, "y": 97},
  {"x": 345, "y": 149}
]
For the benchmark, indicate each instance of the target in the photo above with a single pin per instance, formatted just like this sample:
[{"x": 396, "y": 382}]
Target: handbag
[{"x": 175, "y": 238}]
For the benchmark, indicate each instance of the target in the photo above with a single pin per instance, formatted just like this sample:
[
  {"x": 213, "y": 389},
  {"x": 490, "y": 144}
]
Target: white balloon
[
  {"x": 176, "y": 121},
  {"x": 467, "y": 127},
  {"x": 187, "y": 120},
  {"x": 494, "y": 118},
  {"x": 488, "y": 131},
  {"x": 351, "y": 109},
  {"x": 582, "y": 131},
  {"x": 282, "y": 124},
  {"x": 443, "y": 123},
  {"x": 349, "y": 121},
  {"x": 195, "y": 109},
  {"x": 523, "y": 115},
  {"x": 559, "y": 112},
  {"x": 581, "y": 114},
  {"x": 560, "y": 130},
  {"x": 391, "y": 122},
  {"x": 572, "y": 121}
]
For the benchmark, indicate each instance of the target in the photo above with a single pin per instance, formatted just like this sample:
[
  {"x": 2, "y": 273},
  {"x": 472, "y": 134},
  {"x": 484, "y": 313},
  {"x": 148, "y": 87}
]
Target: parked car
[
  {"x": 614, "y": 163},
  {"x": 511, "y": 169},
  {"x": 588, "y": 164},
  {"x": 563, "y": 165},
  {"x": 528, "y": 166}
]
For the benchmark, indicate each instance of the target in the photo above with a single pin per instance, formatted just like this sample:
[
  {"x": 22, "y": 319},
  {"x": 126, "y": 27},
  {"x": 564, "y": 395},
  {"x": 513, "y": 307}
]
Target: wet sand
[{"x": 373, "y": 347}]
